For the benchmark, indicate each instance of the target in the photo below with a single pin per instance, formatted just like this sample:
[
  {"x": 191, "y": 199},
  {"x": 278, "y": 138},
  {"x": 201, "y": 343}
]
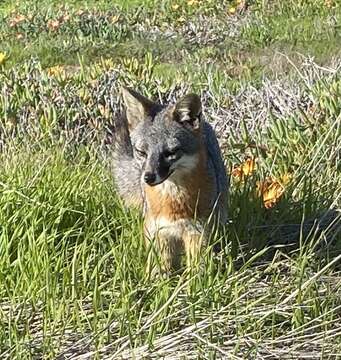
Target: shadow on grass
[{"x": 291, "y": 227}]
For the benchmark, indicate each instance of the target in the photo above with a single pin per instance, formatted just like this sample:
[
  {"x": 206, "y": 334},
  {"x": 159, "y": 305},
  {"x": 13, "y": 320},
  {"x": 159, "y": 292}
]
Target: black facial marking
[{"x": 163, "y": 167}]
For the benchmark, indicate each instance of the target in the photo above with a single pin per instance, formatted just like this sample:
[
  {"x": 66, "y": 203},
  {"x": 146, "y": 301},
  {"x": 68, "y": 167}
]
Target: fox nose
[{"x": 149, "y": 177}]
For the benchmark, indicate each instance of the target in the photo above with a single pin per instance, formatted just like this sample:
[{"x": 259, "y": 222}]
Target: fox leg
[
  {"x": 167, "y": 247},
  {"x": 194, "y": 240},
  {"x": 170, "y": 251}
]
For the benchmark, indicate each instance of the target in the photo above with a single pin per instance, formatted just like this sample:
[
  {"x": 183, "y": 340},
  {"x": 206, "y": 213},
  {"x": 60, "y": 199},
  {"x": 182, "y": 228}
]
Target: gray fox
[{"x": 167, "y": 162}]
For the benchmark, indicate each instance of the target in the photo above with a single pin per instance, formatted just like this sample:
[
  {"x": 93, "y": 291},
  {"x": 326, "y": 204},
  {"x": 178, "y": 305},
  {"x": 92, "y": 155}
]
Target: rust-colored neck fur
[{"x": 186, "y": 199}]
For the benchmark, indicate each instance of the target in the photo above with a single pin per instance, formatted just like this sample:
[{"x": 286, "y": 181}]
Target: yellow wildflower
[
  {"x": 115, "y": 18},
  {"x": 271, "y": 190},
  {"x": 232, "y": 10},
  {"x": 57, "y": 70},
  {"x": 3, "y": 58},
  {"x": 245, "y": 169}
]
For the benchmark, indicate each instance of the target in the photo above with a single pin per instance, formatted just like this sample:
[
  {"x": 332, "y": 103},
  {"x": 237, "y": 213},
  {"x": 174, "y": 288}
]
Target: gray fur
[
  {"x": 160, "y": 131},
  {"x": 126, "y": 170},
  {"x": 216, "y": 166}
]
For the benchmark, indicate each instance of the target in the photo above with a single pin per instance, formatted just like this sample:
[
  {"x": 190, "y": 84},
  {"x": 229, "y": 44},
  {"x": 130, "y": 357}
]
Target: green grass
[
  {"x": 310, "y": 28},
  {"x": 73, "y": 260},
  {"x": 73, "y": 279}
]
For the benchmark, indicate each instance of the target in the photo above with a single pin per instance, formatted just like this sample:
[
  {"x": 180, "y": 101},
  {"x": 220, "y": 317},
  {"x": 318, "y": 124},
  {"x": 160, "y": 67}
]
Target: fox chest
[
  {"x": 170, "y": 205},
  {"x": 173, "y": 202}
]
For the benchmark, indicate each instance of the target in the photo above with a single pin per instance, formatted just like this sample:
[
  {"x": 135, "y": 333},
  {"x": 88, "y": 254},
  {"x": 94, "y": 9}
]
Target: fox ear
[
  {"x": 137, "y": 106},
  {"x": 187, "y": 111}
]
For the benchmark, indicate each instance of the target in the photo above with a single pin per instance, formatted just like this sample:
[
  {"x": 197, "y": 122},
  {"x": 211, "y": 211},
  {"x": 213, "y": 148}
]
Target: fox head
[{"x": 166, "y": 139}]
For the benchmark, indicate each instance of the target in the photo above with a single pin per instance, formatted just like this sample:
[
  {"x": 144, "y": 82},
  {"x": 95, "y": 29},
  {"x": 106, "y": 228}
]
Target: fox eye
[
  {"x": 141, "y": 153},
  {"x": 172, "y": 154}
]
